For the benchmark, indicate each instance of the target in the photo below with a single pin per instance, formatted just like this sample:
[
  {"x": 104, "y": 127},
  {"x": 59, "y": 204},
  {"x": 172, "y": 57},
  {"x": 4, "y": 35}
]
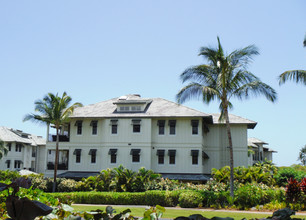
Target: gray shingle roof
[
  {"x": 253, "y": 140},
  {"x": 234, "y": 119},
  {"x": 11, "y": 135},
  {"x": 157, "y": 108}
]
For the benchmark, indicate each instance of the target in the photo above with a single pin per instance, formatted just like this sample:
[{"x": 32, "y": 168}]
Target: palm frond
[
  {"x": 256, "y": 88},
  {"x": 298, "y": 76},
  {"x": 196, "y": 90}
]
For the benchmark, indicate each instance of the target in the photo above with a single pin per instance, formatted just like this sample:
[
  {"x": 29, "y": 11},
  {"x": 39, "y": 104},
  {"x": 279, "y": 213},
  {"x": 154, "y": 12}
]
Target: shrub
[
  {"x": 251, "y": 195},
  {"x": 190, "y": 199},
  {"x": 67, "y": 185},
  {"x": 284, "y": 174},
  {"x": 155, "y": 197},
  {"x": 7, "y": 174},
  {"x": 39, "y": 182},
  {"x": 293, "y": 191}
]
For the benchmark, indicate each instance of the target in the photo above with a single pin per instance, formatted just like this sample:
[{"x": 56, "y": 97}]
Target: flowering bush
[{"x": 67, "y": 185}]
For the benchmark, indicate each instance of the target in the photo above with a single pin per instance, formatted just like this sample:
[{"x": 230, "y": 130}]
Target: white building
[
  {"x": 24, "y": 149},
  {"x": 171, "y": 139},
  {"x": 261, "y": 153}
]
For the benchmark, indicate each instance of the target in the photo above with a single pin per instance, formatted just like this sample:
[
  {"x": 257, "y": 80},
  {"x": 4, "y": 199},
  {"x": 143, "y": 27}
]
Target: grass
[{"x": 173, "y": 213}]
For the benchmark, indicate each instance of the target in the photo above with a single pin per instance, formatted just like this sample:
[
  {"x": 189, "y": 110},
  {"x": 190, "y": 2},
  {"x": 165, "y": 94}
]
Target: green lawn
[{"x": 172, "y": 213}]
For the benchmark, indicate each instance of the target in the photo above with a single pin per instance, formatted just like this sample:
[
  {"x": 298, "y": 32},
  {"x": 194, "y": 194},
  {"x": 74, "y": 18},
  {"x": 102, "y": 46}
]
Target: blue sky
[{"x": 97, "y": 50}]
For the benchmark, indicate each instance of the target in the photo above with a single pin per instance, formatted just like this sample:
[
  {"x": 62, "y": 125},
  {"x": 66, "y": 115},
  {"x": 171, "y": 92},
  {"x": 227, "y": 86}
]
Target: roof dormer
[{"x": 131, "y": 103}]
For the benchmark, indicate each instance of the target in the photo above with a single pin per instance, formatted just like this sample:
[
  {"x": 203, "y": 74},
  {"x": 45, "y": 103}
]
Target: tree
[
  {"x": 54, "y": 110},
  {"x": 299, "y": 76},
  {"x": 3, "y": 149},
  {"x": 224, "y": 77},
  {"x": 302, "y": 156}
]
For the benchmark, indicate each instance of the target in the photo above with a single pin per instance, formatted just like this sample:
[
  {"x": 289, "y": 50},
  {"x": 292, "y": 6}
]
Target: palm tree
[
  {"x": 54, "y": 110},
  {"x": 224, "y": 77},
  {"x": 3, "y": 149},
  {"x": 302, "y": 155}
]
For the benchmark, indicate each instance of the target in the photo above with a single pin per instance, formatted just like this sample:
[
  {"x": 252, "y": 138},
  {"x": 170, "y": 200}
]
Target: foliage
[
  {"x": 19, "y": 207},
  {"x": 259, "y": 173},
  {"x": 3, "y": 149},
  {"x": 153, "y": 213},
  {"x": 190, "y": 199},
  {"x": 53, "y": 110},
  {"x": 222, "y": 78},
  {"x": 119, "y": 179},
  {"x": 285, "y": 173},
  {"x": 293, "y": 190},
  {"x": 302, "y": 155},
  {"x": 251, "y": 195},
  {"x": 66, "y": 185},
  {"x": 63, "y": 211},
  {"x": 8, "y": 175}
]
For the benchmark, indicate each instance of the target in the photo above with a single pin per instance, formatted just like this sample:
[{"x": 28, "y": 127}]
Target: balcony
[
  {"x": 62, "y": 138},
  {"x": 60, "y": 166}
]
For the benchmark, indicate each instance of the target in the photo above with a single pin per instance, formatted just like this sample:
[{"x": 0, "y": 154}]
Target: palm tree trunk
[
  {"x": 230, "y": 143},
  {"x": 56, "y": 159}
]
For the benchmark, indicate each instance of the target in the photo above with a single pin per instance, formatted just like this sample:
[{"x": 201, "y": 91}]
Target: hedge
[{"x": 150, "y": 198}]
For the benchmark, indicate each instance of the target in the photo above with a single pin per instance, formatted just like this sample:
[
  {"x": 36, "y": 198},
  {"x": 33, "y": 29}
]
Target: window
[
  {"x": 17, "y": 164},
  {"x": 18, "y": 147},
  {"x": 93, "y": 154},
  {"x": 62, "y": 159},
  {"x": 77, "y": 153},
  {"x": 195, "y": 157},
  {"x": 172, "y": 124},
  {"x": 79, "y": 127},
  {"x": 114, "y": 125},
  {"x": 124, "y": 108},
  {"x": 33, "y": 151},
  {"x": 195, "y": 127},
  {"x": 94, "y": 125},
  {"x": 136, "y": 108},
  {"x": 113, "y": 155},
  {"x": 9, "y": 146},
  {"x": 161, "y": 156},
  {"x": 161, "y": 127},
  {"x": 135, "y": 155},
  {"x": 171, "y": 154},
  {"x": 136, "y": 125},
  {"x": 8, "y": 163}
]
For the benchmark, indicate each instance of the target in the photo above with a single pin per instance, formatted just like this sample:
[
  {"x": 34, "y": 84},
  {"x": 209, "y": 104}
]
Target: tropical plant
[
  {"x": 3, "y": 149},
  {"x": 21, "y": 207},
  {"x": 302, "y": 156},
  {"x": 293, "y": 190},
  {"x": 224, "y": 77},
  {"x": 54, "y": 110}
]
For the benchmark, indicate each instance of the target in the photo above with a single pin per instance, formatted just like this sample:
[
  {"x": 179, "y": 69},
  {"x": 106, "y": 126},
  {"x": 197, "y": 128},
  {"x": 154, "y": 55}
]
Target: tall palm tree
[
  {"x": 3, "y": 149},
  {"x": 222, "y": 78},
  {"x": 299, "y": 76},
  {"x": 54, "y": 110}
]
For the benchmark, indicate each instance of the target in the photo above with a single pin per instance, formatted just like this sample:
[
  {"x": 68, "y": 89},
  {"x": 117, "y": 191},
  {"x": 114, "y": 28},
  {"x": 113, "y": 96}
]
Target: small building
[
  {"x": 23, "y": 150},
  {"x": 260, "y": 153}
]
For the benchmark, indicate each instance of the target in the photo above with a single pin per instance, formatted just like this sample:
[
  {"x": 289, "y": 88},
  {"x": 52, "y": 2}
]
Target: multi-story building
[
  {"x": 171, "y": 139},
  {"x": 260, "y": 153},
  {"x": 23, "y": 150}
]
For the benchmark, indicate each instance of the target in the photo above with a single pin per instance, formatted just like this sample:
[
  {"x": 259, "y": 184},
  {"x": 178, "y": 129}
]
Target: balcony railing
[
  {"x": 60, "y": 166},
  {"x": 62, "y": 138}
]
